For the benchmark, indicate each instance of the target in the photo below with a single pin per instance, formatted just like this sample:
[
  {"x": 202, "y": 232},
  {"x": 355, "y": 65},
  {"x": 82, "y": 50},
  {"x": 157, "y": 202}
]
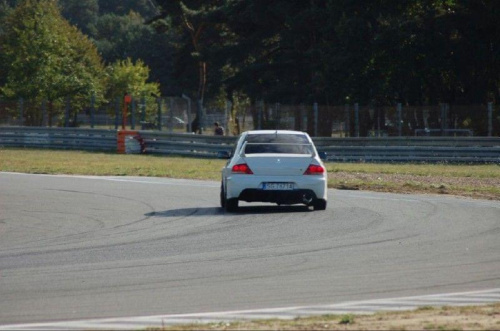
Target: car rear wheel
[
  {"x": 319, "y": 204},
  {"x": 222, "y": 196},
  {"x": 231, "y": 205}
]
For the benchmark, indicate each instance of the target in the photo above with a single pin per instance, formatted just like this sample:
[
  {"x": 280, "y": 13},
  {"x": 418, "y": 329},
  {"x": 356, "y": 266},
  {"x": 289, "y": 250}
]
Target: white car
[{"x": 279, "y": 166}]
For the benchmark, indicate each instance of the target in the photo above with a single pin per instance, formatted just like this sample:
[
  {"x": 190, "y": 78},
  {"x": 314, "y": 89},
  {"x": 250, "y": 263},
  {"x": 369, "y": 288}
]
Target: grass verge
[
  {"x": 427, "y": 318},
  {"x": 477, "y": 181}
]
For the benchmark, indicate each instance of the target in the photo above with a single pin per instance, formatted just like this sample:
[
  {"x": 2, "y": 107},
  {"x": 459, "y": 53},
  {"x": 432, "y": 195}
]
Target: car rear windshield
[
  {"x": 277, "y": 144},
  {"x": 271, "y": 138}
]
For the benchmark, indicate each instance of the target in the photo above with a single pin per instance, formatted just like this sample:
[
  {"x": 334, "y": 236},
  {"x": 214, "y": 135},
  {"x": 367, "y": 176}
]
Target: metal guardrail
[
  {"x": 186, "y": 144},
  {"x": 409, "y": 141},
  {"x": 387, "y": 149},
  {"x": 58, "y": 138},
  {"x": 456, "y": 132},
  {"x": 411, "y": 149},
  {"x": 412, "y": 154},
  {"x": 381, "y": 149}
]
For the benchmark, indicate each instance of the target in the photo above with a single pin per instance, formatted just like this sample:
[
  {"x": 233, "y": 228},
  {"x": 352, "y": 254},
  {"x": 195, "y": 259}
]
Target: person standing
[{"x": 218, "y": 130}]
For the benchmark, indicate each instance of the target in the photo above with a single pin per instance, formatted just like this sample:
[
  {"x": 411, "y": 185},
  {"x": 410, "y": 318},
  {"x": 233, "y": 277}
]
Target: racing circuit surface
[{"x": 95, "y": 247}]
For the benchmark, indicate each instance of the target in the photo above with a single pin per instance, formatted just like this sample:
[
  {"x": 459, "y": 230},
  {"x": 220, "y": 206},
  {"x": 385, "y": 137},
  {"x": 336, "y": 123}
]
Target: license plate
[{"x": 278, "y": 186}]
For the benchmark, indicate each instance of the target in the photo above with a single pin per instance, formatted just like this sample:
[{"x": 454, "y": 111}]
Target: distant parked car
[{"x": 280, "y": 167}]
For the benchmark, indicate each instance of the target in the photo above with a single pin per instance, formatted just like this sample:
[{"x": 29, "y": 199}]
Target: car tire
[
  {"x": 231, "y": 205},
  {"x": 319, "y": 204},
  {"x": 222, "y": 197}
]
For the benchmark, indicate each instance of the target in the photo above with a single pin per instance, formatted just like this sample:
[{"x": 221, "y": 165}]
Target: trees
[
  {"x": 378, "y": 53},
  {"x": 5, "y": 10},
  {"x": 187, "y": 20},
  {"x": 276, "y": 52},
  {"x": 81, "y": 13},
  {"x": 123, "y": 7},
  {"x": 117, "y": 28},
  {"x": 125, "y": 76},
  {"x": 196, "y": 25},
  {"x": 298, "y": 52},
  {"x": 120, "y": 37},
  {"x": 48, "y": 59},
  {"x": 276, "y": 49}
]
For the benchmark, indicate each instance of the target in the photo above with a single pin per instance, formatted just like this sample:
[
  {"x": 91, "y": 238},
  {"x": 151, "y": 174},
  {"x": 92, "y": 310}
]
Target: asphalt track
[{"x": 95, "y": 247}]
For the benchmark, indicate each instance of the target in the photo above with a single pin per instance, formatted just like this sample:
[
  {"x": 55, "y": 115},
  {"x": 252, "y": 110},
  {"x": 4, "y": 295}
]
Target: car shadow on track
[
  {"x": 218, "y": 211},
  {"x": 270, "y": 209}
]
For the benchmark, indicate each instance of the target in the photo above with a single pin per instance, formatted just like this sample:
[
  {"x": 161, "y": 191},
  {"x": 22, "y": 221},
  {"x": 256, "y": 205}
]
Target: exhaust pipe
[{"x": 307, "y": 199}]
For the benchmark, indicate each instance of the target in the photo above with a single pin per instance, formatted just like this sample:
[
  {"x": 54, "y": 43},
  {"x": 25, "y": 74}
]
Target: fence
[
  {"x": 144, "y": 113},
  {"x": 178, "y": 115}
]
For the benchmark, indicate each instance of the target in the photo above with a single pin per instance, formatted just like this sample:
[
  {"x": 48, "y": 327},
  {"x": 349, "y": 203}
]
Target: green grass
[
  {"x": 347, "y": 319},
  {"x": 107, "y": 164},
  {"x": 481, "y": 181}
]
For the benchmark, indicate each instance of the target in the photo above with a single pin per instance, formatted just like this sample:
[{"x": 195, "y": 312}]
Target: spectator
[
  {"x": 219, "y": 130},
  {"x": 195, "y": 125}
]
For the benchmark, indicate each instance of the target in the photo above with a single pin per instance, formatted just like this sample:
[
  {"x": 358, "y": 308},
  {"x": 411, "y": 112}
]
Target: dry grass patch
[
  {"x": 469, "y": 186},
  {"x": 426, "y": 318}
]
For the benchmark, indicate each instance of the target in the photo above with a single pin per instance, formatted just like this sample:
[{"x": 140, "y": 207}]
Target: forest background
[{"x": 331, "y": 52}]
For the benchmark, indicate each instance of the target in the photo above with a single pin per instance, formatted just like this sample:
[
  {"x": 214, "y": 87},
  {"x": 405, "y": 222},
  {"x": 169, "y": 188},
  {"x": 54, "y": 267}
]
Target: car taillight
[
  {"x": 314, "y": 170},
  {"x": 242, "y": 168}
]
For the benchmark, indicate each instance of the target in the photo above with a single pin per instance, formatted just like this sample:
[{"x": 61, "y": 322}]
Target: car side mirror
[
  {"x": 223, "y": 155},
  {"x": 322, "y": 155}
]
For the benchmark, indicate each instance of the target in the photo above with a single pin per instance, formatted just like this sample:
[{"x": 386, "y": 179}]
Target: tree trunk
[{"x": 51, "y": 110}]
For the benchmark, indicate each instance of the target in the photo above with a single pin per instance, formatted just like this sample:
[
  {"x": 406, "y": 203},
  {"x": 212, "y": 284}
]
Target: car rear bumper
[
  {"x": 282, "y": 197},
  {"x": 250, "y": 188}
]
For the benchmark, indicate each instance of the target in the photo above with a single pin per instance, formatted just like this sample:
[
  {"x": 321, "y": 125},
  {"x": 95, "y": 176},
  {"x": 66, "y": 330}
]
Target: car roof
[{"x": 275, "y": 132}]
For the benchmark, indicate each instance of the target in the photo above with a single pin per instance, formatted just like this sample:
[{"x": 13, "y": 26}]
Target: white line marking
[{"x": 148, "y": 180}]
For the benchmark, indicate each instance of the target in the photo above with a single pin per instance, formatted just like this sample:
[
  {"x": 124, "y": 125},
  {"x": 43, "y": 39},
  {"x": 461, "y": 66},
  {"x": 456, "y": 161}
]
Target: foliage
[
  {"x": 47, "y": 58},
  {"x": 376, "y": 53},
  {"x": 347, "y": 319},
  {"x": 195, "y": 22},
  {"x": 118, "y": 37},
  {"x": 5, "y": 10},
  {"x": 381, "y": 52},
  {"x": 125, "y": 76},
  {"x": 238, "y": 106},
  {"x": 123, "y": 7},
  {"x": 81, "y": 13}
]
